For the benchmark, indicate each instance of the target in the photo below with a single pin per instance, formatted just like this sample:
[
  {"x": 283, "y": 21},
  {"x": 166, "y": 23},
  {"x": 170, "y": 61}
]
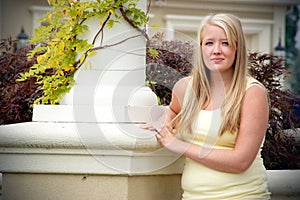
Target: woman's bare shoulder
[
  {"x": 182, "y": 83},
  {"x": 179, "y": 89},
  {"x": 256, "y": 96}
]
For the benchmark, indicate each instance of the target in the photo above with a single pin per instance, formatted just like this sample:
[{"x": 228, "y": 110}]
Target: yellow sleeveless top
[{"x": 200, "y": 182}]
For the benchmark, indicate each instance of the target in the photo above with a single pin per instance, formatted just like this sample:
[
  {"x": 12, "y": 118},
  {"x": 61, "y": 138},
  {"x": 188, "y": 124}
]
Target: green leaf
[
  {"x": 110, "y": 23},
  {"x": 60, "y": 47},
  {"x": 154, "y": 53},
  {"x": 155, "y": 26}
]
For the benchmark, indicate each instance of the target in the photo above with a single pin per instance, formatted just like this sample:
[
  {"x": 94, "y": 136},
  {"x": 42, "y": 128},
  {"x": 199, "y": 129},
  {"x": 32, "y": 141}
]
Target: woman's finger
[
  {"x": 158, "y": 136},
  {"x": 147, "y": 127}
]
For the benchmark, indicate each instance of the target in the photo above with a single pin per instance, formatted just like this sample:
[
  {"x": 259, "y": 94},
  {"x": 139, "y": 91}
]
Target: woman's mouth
[{"x": 216, "y": 60}]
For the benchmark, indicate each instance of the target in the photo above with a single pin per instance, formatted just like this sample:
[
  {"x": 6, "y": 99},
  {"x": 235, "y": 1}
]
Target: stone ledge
[
  {"x": 284, "y": 184},
  {"x": 88, "y": 148},
  {"x": 126, "y": 136},
  {"x": 93, "y": 113}
]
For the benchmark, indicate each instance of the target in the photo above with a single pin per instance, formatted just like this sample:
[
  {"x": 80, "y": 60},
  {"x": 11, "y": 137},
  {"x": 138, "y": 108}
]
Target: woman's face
[{"x": 216, "y": 52}]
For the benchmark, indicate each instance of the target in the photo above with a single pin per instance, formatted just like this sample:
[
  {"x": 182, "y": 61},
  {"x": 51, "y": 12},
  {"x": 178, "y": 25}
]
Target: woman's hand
[
  {"x": 147, "y": 126},
  {"x": 167, "y": 138}
]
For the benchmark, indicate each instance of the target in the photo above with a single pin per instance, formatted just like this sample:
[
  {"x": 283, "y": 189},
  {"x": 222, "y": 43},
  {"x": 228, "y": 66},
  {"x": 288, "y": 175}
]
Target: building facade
[{"x": 263, "y": 21}]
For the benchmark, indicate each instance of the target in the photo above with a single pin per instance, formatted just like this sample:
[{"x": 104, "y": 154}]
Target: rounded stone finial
[{"x": 144, "y": 96}]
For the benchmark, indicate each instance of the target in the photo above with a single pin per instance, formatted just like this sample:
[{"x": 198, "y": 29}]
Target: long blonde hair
[{"x": 200, "y": 95}]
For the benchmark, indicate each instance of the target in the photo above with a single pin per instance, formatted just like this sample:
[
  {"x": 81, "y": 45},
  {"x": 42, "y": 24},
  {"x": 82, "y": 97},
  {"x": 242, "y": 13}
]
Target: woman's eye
[
  {"x": 225, "y": 43},
  {"x": 208, "y": 43}
]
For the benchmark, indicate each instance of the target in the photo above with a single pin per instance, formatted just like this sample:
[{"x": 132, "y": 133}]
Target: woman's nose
[{"x": 217, "y": 49}]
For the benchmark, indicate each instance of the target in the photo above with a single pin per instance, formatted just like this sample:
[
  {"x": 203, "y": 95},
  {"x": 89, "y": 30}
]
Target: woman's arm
[
  {"x": 253, "y": 126},
  {"x": 174, "y": 107},
  {"x": 178, "y": 93}
]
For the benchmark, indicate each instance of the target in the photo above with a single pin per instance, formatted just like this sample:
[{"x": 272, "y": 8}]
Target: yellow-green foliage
[{"x": 61, "y": 52}]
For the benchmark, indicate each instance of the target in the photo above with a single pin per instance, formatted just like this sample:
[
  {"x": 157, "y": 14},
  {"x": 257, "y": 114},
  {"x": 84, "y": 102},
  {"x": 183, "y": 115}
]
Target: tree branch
[
  {"x": 143, "y": 32},
  {"x": 101, "y": 30},
  {"x": 111, "y": 45}
]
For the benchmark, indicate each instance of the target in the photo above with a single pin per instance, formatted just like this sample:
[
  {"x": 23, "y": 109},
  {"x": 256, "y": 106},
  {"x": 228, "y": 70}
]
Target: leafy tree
[{"x": 61, "y": 51}]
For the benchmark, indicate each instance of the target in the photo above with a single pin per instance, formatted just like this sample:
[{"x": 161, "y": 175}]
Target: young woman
[{"x": 222, "y": 115}]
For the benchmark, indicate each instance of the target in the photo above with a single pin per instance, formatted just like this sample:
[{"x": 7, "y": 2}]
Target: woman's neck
[
  {"x": 220, "y": 82},
  {"x": 219, "y": 86}
]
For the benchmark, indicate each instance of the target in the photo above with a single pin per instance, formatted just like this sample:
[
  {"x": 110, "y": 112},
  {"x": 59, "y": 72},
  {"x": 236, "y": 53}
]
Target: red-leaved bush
[{"x": 16, "y": 98}]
